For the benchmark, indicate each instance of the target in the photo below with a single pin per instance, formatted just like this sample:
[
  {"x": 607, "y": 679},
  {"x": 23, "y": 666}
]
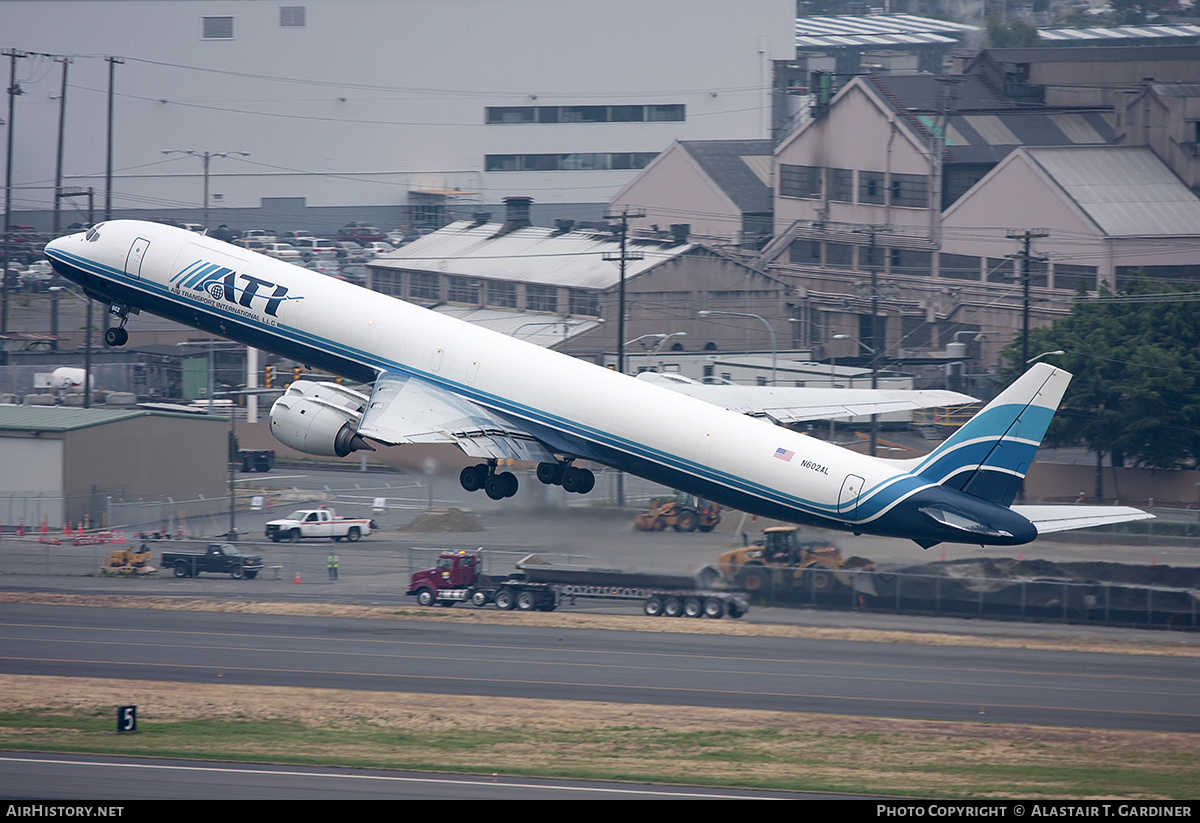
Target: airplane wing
[
  {"x": 792, "y": 404},
  {"x": 406, "y": 409},
  {"x": 1065, "y": 518}
]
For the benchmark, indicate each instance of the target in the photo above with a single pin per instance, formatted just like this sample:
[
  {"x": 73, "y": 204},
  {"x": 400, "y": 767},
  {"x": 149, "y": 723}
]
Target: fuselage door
[
  {"x": 133, "y": 260},
  {"x": 848, "y": 498}
]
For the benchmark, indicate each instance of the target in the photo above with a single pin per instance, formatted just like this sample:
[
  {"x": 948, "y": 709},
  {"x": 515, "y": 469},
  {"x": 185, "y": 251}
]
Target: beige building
[{"x": 68, "y": 464}]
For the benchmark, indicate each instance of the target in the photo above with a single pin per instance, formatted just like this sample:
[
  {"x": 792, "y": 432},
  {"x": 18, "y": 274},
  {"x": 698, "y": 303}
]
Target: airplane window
[{"x": 93, "y": 234}]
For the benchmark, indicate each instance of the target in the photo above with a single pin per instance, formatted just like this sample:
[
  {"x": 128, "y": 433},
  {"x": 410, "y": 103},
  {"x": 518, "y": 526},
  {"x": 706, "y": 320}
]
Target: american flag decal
[{"x": 785, "y": 455}]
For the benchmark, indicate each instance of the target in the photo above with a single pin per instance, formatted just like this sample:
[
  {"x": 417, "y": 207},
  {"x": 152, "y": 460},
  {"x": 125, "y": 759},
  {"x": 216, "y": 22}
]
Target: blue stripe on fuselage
[{"x": 604, "y": 447}]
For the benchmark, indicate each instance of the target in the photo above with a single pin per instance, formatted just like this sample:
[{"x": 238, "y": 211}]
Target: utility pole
[
  {"x": 1026, "y": 257},
  {"x": 13, "y": 90},
  {"x": 62, "y": 126},
  {"x": 622, "y": 258},
  {"x": 877, "y": 346},
  {"x": 113, "y": 62}
]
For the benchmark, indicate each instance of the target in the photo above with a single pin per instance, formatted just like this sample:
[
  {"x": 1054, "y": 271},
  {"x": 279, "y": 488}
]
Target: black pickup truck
[{"x": 221, "y": 558}]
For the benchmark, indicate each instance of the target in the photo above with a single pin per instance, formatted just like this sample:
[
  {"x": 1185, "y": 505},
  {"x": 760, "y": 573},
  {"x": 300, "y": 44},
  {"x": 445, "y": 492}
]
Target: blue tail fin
[{"x": 989, "y": 456}]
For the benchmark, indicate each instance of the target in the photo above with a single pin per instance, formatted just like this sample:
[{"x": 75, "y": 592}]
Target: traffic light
[{"x": 268, "y": 376}]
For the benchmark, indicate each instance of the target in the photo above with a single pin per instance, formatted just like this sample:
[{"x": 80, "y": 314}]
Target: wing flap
[
  {"x": 1049, "y": 519},
  {"x": 405, "y": 409}
]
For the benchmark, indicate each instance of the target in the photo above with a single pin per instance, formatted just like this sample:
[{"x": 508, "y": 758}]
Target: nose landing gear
[{"x": 118, "y": 336}]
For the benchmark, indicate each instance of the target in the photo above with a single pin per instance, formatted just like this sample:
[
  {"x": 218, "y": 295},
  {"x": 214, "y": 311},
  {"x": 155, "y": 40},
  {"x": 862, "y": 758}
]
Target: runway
[{"x": 1009, "y": 685}]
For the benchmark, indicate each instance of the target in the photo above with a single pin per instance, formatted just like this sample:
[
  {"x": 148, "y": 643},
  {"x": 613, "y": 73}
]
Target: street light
[
  {"x": 763, "y": 320},
  {"x": 206, "y": 157},
  {"x": 1054, "y": 353}
]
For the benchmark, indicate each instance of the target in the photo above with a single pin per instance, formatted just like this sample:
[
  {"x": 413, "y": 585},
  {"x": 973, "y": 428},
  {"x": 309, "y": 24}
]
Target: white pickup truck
[{"x": 318, "y": 523}]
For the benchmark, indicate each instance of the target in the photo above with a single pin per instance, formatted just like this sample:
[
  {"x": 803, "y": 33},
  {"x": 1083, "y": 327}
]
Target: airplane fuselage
[{"x": 574, "y": 407}]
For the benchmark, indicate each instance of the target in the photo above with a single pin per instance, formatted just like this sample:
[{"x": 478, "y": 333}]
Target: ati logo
[{"x": 225, "y": 285}]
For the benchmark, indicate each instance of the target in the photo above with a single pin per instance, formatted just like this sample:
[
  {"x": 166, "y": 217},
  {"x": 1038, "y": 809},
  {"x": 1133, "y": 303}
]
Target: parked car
[
  {"x": 360, "y": 233},
  {"x": 316, "y": 247},
  {"x": 282, "y": 251},
  {"x": 293, "y": 236},
  {"x": 38, "y": 276},
  {"x": 261, "y": 235},
  {"x": 376, "y": 248}
]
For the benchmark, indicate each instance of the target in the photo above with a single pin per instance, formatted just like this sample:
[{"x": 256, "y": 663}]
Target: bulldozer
[
  {"x": 683, "y": 512},
  {"x": 784, "y": 559}
]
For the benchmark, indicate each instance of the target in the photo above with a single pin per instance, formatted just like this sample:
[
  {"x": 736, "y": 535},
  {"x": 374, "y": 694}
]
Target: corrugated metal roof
[
  {"x": 1127, "y": 191},
  {"x": 738, "y": 167},
  {"x": 528, "y": 255},
  {"x": 62, "y": 418},
  {"x": 876, "y": 30},
  {"x": 1095, "y": 33}
]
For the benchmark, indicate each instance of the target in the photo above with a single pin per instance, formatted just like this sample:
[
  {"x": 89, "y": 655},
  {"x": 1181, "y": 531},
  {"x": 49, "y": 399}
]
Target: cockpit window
[{"x": 93, "y": 234}]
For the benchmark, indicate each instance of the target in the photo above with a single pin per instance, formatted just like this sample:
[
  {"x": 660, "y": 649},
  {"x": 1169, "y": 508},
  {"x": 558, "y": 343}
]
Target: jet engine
[{"x": 320, "y": 418}]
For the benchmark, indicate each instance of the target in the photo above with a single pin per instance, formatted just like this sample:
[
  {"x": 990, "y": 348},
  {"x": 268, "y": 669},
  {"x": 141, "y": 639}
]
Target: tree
[{"x": 1136, "y": 390}]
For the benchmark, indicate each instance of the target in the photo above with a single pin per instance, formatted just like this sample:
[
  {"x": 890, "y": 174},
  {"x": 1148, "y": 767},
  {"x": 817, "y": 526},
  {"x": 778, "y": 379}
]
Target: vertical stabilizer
[{"x": 989, "y": 456}]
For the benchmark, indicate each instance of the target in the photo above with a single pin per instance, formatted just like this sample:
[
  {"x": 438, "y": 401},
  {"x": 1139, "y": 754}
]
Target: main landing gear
[
  {"x": 502, "y": 485},
  {"x": 571, "y": 478},
  {"x": 117, "y": 336},
  {"x": 483, "y": 476}
]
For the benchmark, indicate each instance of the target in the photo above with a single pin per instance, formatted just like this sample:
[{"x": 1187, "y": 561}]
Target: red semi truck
[{"x": 458, "y": 578}]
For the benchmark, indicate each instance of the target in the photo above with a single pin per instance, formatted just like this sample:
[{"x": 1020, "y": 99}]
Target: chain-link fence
[{"x": 987, "y": 597}]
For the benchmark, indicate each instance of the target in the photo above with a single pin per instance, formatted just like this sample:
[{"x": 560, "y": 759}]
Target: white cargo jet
[{"x": 440, "y": 380}]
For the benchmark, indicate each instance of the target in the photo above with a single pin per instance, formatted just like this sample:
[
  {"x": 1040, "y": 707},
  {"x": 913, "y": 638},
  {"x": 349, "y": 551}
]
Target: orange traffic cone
[{"x": 297, "y": 578}]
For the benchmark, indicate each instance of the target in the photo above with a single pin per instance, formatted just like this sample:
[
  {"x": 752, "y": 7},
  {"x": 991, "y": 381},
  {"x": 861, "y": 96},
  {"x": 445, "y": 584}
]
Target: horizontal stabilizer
[{"x": 1065, "y": 518}]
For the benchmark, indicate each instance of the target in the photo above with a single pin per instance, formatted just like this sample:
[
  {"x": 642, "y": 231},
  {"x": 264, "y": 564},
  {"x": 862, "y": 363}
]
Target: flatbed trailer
[{"x": 456, "y": 579}]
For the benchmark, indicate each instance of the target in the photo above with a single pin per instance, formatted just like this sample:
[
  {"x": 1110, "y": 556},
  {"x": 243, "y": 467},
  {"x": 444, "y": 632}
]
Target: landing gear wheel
[
  {"x": 550, "y": 473},
  {"x": 578, "y": 481},
  {"x": 472, "y": 478},
  {"x": 116, "y": 336}
]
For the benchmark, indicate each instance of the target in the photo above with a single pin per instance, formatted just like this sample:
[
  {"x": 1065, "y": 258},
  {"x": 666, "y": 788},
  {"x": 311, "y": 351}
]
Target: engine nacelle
[{"x": 319, "y": 418}]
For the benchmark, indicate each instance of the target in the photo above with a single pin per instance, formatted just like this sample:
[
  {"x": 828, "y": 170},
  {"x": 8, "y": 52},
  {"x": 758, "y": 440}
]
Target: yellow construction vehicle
[
  {"x": 128, "y": 562},
  {"x": 683, "y": 512},
  {"x": 784, "y": 559}
]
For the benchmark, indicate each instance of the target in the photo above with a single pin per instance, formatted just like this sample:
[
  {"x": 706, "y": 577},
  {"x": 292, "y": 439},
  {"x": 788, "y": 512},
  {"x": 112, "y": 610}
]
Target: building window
[
  {"x": 999, "y": 270},
  {"x": 424, "y": 286},
  {"x": 839, "y": 255},
  {"x": 541, "y": 298},
  {"x": 584, "y": 302},
  {"x": 806, "y": 252},
  {"x": 502, "y": 115},
  {"x": 910, "y": 190},
  {"x": 218, "y": 28},
  {"x": 585, "y": 161},
  {"x": 1075, "y": 278},
  {"x": 388, "y": 282},
  {"x": 799, "y": 181},
  {"x": 501, "y": 295},
  {"x": 870, "y": 187},
  {"x": 908, "y": 261},
  {"x": 462, "y": 290},
  {"x": 291, "y": 17},
  {"x": 958, "y": 266},
  {"x": 841, "y": 185}
]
